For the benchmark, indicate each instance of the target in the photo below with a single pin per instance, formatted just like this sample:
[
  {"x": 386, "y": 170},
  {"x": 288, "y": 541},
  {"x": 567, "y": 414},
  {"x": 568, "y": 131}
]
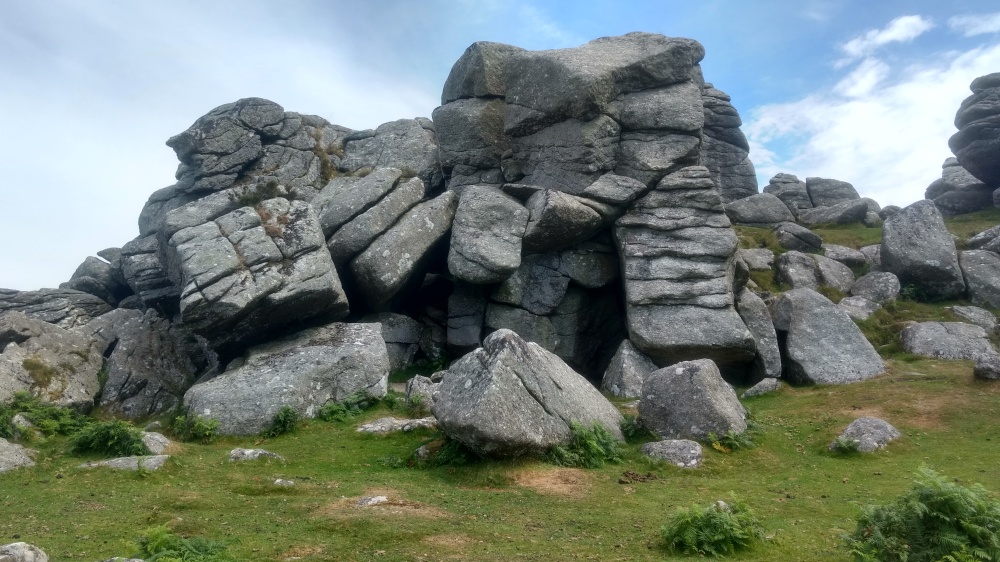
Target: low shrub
[
  {"x": 116, "y": 438},
  {"x": 634, "y": 431},
  {"x": 731, "y": 441},
  {"x": 195, "y": 428},
  {"x": 591, "y": 447},
  {"x": 48, "y": 419},
  {"x": 844, "y": 446},
  {"x": 159, "y": 544},
  {"x": 716, "y": 530},
  {"x": 348, "y": 408},
  {"x": 285, "y": 420},
  {"x": 443, "y": 451},
  {"x": 935, "y": 520}
]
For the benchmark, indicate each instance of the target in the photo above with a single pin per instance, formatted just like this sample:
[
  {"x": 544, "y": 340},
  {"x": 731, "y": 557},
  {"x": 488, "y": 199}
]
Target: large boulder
[
  {"x": 946, "y": 340},
  {"x": 251, "y": 271},
  {"x": 825, "y": 192},
  {"x": 147, "y": 276},
  {"x": 558, "y": 221},
  {"x": 486, "y": 235},
  {"x": 977, "y": 142},
  {"x": 791, "y": 190},
  {"x": 797, "y": 237},
  {"x": 761, "y": 210},
  {"x": 66, "y": 308},
  {"x": 303, "y": 371},
  {"x": 690, "y": 400},
  {"x": 753, "y": 311},
  {"x": 677, "y": 251},
  {"x": 918, "y": 248},
  {"x": 822, "y": 345},
  {"x": 628, "y": 369},
  {"x": 846, "y": 212},
  {"x": 958, "y": 192},
  {"x": 101, "y": 279},
  {"x": 981, "y": 270},
  {"x": 511, "y": 397},
  {"x": 58, "y": 366},
  {"x": 395, "y": 257},
  {"x": 22, "y": 552}
]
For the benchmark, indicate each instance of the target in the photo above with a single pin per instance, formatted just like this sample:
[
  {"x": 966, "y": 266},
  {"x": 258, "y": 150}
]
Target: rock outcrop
[
  {"x": 690, "y": 400},
  {"x": 511, "y": 397},
  {"x": 977, "y": 142},
  {"x": 920, "y": 251},
  {"x": 958, "y": 192}
]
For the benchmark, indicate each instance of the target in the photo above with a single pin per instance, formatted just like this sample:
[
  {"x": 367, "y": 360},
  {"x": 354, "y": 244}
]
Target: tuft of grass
[
  {"x": 253, "y": 195},
  {"x": 116, "y": 438},
  {"x": 40, "y": 372},
  {"x": 755, "y": 237},
  {"x": 444, "y": 451},
  {"x": 844, "y": 446},
  {"x": 936, "y": 519},
  {"x": 849, "y": 235},
  {"x": 285, "y": 420},
  {"x": 160, "y": 544},
  {"x": 717, "y": 530},
  {"x": 766, "y": 282},
  {"x": 589, "y": 447},
  {"x": 350, "y": 407},
  {"x": 192, "y": 427},
  {"x": 835, "y": 295}
]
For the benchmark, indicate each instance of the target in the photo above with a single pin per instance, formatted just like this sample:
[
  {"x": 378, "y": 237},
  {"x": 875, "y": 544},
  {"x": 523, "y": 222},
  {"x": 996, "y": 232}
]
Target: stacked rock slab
[
  {"x": 725, "y": 150},
  {"x": 791, "y": 190},
  {"x": 677, "y": 250},
  {"x": 977, "y": 142},
  {"x": 957, "y": 191}
]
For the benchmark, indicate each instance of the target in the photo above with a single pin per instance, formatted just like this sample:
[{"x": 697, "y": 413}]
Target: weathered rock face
[
  {"x": 858, "y": 308},
  {"x": 725, "y": 150},
  {"x": 975, "y": 315},
  {"x": 401, "y": 335},
  {"x": 22, "y": 552},
  {"x": 677, "y": 250},
  {"x": 409, "y": 145},
  {"x": 151, "y": 362},
  {"x": 797, "y": 237},
  {"x": 918, "y": 248},
  {"x": 511, "y": 397},
  {"x": 977, "y": 142},
  {"x": 66, "y": 308},
  {"x": 14, "y": 456},
  {"x": 958, "y": 192},
  {"x": 821, "y": 344},
  {"x": 251, "y": 271},
  {"x": 981, "y": 270},
  {"x": 845, "y": 212},
  {"x": 628, "y": 369},
  {"x": 847, "y": 256},
  {"x": 690, "y": 400},
  {"x": 303, "y": 371},
  {"x": 58, "y": 366},
  {"x": 946, "y": 340},
  {"x": 760, "y": 210},
  {"x": 101, "y": 278},
  {"x": 682, "y": 453},
  {"x": 486, "y": 235}
]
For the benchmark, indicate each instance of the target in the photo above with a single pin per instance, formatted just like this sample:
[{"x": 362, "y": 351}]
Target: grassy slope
[{"x": 524, "y": 510}]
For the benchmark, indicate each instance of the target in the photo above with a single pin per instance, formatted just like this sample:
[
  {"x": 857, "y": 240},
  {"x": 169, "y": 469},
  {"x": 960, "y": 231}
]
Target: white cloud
[
  {"x": 976, "y": 24},
  {"x": 863, "y": 79},
  {"x": 900, "y": 30},
  {"x": 888, "y": 140}
]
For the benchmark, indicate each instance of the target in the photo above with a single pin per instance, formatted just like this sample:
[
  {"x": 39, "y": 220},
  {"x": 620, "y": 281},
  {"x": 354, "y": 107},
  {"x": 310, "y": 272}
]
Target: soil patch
[{"x": 567, "y": 482}]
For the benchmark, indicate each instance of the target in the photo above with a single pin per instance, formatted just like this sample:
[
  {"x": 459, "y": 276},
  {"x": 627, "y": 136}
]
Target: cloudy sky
[{"x": 855, "y": 90}]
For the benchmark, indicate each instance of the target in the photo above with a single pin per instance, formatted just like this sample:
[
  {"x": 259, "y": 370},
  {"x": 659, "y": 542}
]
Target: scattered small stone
[
  {"x": 284, "y": 483},
  {"x": 370, "y": 501},
  {"x": 390, "y": 425},
  {"x": 632, "y": 477},
  {"x": 252, "y": 455},
  {"x": 870, "y": 434},
  {"x": 154, "y": 462},
  {"x": 683, "y": 453}
]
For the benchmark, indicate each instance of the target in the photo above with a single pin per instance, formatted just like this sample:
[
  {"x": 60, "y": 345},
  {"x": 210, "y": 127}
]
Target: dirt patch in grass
[
  {"x": 565, "y": 482},
  {"x": 300, "y": 552},
  {"x": 395, "y": 505},
  {"x": 451, "y": 542}
]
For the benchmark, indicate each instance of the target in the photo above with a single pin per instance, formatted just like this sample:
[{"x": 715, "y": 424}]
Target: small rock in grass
[
  {"x": 870, "y": 434},
  {"x": 391, "y": 425},
  {"x": 284, "y": 483},
  {"x": 987, "y": 367},
  {"x": 252, "y": 455},
  {"x": 150, "y": 463},
  {"x": 22, "y": 552},
  {"x": 155, "y": 442},
  {"x": 765, "y": 386},
  {"x": 679, "y": 452},
  {"x": 370, "y": 501}
]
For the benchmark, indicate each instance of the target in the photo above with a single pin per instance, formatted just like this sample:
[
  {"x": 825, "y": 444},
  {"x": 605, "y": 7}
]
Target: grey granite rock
[
  {"x": 761, "y": 210},
  {"x": 409, "y": 145},
  {"x": 353, "y": 237},
  {"x": 847, "y": 212},
  {"x": 150, "y": 463},
  {"x": 822, "y": 345},
  {"x": 486, "y": 235},
  {"x": 303, "y": 371},
  {"x": 13, "y": 456},
  {"x": 981, "y": 270},
  {"x": 386, "y": 425},
  {"x": 22, "y": 552},
  {"x": 512, "y": 397},
  {"x": 791, "y": 190},
  {"x": 66, "y": 308},
  {"x": 724, "y": 149},
  {"x": 395, "y": 257},
  {"x": 975, "y": 315},
  {"x": 987, "y": 367},
  {"x": 614, "y": 189},
  {"x": 766, "y": 386},
  {"x": 558, "y": 220},
  {"x": 796, "y": 237},
  {"x": 628, "y": 369},
  {"x": 825, "y": 192},
  {"x": 945, "y": 340},
  {"x": 976, "y": 144},
  {"x": 753, "y": 311},
  {"x": 346, "y": 197},
  {"x": 238, "y": 454},
  {"x": 847, "y": 256},
  {"x": 401, "y": 335},
  {"x": 798, "y": 270},
  {"x": 690, "y": 400},
  {"x": 870, "y": 434},
  {"x": 757, "y": 259},
  {"x": 682, "y": 453},
  {"x": 918, "y": 248},
  {"x": 858, "y": 308},
  {"x": 58, "y": 366}
]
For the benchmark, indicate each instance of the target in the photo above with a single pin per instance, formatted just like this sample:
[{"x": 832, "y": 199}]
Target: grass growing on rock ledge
[{"x": 806, "y": 498}]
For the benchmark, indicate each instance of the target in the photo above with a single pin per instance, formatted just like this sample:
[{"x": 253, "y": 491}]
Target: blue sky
[{"x": 859, "y": 91}]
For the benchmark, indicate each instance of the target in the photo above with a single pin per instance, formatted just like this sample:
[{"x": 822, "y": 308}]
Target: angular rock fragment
[
  {"x": 486, "y": 235},
  {"x": 690, "y": 400}
]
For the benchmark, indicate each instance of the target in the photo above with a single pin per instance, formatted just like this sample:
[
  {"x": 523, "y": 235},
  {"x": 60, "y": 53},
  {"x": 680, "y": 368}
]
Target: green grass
[
  {"x": 967, "y": 226},
  {"x": 850, "y": 235},
  {"x": 805, "y": 497}
]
